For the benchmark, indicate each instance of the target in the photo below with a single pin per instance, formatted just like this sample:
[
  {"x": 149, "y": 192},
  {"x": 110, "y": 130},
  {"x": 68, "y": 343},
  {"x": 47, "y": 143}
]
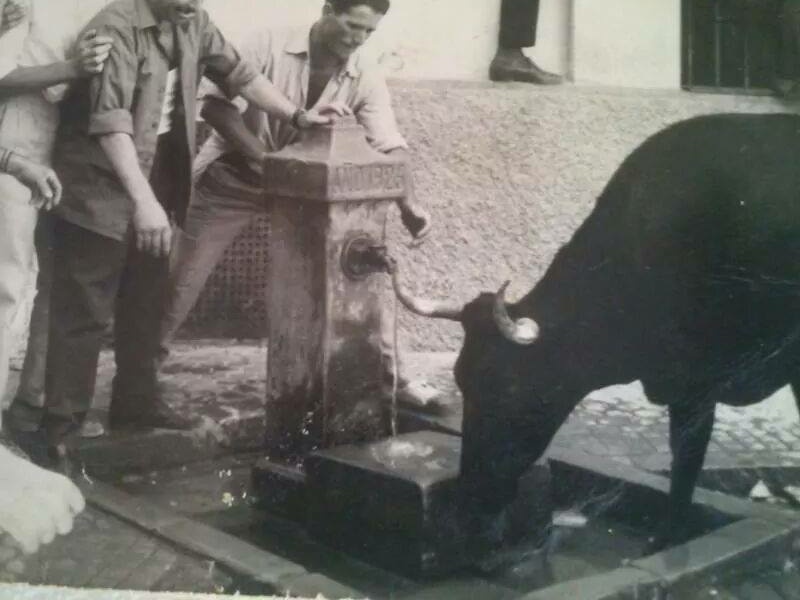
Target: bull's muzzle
[{"x": 523, "y": 331}]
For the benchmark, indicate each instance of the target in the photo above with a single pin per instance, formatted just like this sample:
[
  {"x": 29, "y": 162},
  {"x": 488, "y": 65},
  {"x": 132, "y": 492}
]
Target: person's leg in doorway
[{"x": 518, "y": 22}]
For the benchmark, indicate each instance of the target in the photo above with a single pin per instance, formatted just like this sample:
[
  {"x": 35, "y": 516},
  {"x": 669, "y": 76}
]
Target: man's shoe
[
  {"x": 513, "y": 65},
  {"x": 22, "y": 417},
  {"x": 92, "y": 428},
  {"x": 419, "y": 395},
  {"x": 153, "y": 415}
]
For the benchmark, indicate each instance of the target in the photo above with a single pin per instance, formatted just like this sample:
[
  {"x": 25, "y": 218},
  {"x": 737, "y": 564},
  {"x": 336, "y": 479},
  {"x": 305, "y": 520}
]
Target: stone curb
[
  {"x": 284, "y": 576},
  {"x": 762, "y": 534}
]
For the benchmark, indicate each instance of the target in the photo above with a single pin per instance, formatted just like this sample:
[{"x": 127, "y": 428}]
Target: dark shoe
[
  {"x": 513, "y": 65},
  {"x": 22, "y": 417},
  {"x": 158, "y": 415},
  {"x": 59, "y": 433}
]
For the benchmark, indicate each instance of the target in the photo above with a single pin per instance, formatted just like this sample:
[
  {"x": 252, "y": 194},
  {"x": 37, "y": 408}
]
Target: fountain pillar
[{"x": 328, "y": 196}]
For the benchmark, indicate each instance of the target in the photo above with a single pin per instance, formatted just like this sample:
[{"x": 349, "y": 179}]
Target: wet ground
[
  {"x": 222, "y": 386},
  {"x": 216, "y": 493}
]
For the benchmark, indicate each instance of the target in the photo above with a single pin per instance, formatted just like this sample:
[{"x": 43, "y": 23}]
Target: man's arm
[
  {"x": 153, "y": 231},
  {"x": 111, "y": 96},
  {"x": 91, "y": 52},
  {"x": 42, "y": 181},
  {"x": 261, "y": 92},
  {"x": 416, "y": 219},
  {"x": 226, "y": 119}
]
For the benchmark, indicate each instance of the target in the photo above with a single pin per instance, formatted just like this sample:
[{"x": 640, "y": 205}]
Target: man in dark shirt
[
  {"x": 123, "y": 154},
  {"x": 518, "y": 21}
]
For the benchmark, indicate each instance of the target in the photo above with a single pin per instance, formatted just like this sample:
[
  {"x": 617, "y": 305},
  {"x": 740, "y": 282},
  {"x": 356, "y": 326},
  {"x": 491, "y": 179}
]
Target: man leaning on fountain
[{"x": 311, "y": 66}]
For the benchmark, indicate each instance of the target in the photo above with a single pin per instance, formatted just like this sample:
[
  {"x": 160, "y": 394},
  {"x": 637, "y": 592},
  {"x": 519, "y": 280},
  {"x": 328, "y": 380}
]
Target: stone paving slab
[
  {"x": 194, "y": 536},
  {"x": 103, "y": 551},
  {"x": 28, "y": 592}
]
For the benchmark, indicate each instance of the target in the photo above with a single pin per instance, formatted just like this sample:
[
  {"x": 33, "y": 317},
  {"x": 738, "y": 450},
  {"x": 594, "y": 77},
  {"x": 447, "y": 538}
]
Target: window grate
[{"x": 730, "y": 46}]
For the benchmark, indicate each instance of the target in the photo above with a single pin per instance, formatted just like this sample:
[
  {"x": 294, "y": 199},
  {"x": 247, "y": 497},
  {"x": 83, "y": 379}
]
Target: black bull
[{"x": 685, "y": 276}]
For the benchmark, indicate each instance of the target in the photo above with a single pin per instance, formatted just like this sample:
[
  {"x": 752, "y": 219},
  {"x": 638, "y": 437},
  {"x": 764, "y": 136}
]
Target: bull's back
[{"x": 690, "y": 261}]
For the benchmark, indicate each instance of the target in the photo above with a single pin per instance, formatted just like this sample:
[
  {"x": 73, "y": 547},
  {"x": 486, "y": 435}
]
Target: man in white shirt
[
  {"x": 37, "y": 62},
  {"x": 35, "y": 505},
  {"x": 310, "y": 66}
]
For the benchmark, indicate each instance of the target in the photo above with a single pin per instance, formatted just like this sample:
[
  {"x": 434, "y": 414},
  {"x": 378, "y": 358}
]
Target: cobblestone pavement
[
  {"x": 104, "y": 552},
  {"x": 619, "y": 423},
  {"x": 223, "y": 386}
]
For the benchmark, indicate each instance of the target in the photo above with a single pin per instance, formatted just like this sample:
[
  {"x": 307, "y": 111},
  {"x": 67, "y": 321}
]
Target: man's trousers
[
  {"x": 518, "y": 20},
  {"x": 99, "y": 280},
  {"x": 17, "y": 261}
]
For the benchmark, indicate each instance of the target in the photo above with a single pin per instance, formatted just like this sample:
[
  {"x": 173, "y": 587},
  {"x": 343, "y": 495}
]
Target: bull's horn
[
  {"x": 437, "y": 309},
  {"x": 523, "y": 331}
]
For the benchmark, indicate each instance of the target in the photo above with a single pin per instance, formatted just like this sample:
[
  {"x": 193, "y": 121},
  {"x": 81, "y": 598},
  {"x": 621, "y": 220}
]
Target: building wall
[
  {"x": 631, "y": 43},
  {"x": 508, "y": 170}
]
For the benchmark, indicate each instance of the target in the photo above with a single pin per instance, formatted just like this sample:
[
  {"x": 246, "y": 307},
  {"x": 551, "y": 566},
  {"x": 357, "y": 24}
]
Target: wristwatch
[{"x": 300, "y": 112}]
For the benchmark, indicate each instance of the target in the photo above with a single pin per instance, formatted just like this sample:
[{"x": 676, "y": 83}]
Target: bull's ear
[{"x": 524, "y": 331}]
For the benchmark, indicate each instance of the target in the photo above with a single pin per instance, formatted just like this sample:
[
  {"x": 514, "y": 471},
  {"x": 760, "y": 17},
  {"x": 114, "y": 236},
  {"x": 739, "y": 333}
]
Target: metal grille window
[{"x": 730, "y": 46}]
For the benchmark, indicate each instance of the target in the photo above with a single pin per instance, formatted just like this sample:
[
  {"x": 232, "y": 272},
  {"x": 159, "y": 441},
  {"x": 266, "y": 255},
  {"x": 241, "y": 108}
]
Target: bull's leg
[{"x": 690, "y": 427}]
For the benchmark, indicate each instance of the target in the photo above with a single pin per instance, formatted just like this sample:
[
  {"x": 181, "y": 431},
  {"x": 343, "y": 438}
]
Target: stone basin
[{"x": 391, "y": 504}]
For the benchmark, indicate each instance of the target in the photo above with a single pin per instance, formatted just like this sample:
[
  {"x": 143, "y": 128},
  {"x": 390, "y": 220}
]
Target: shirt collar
[
  {"x": 144, "y": 15},
  {"x": 298, "y": 44}
]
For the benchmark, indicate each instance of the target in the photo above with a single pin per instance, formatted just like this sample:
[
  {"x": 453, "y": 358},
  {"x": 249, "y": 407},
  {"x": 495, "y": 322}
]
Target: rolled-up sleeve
[
  {"x": 375, "y": 113},
  {"x": 111, "y": 92},
  {"x": 223, "y": 64}
]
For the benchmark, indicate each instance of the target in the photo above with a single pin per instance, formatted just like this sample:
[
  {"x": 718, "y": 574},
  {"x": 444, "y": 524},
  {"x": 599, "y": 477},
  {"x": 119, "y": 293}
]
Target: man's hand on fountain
[
  {"x": 321, "y": 115},
  {"x": 35, "y": 504}
]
